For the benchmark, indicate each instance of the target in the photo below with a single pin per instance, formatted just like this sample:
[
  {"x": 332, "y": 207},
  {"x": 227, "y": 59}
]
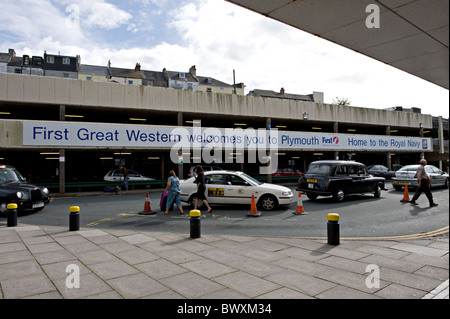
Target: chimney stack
[
  {"x": 193, "y": 70},
  {"x": 282, "y": 91},
  {"x": 138, "y": 67}
]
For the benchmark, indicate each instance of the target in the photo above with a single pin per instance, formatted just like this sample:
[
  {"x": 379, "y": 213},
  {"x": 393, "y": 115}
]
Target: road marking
[
  {"x": 98, "y": 222},
  {"x": 433, "y": 233}
]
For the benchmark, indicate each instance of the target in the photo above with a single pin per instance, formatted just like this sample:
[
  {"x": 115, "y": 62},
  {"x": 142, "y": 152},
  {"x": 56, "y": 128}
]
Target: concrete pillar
[
  {"x": 268, "y": 153},
  {"x": 62, "y": 155},
  {"x": 180, "y": 152}
]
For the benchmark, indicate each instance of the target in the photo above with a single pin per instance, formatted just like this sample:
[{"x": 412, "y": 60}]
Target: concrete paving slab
[
  {"x": 126, "y": 264},
  {"x": 421, "y": 250}
]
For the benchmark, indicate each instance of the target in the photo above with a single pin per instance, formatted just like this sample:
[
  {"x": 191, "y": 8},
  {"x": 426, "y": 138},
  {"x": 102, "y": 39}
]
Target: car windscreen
[
  {"x": 9, "y": 175},
  {"x": 321, "y": 169},
  {"x": 251, "y": 179}
]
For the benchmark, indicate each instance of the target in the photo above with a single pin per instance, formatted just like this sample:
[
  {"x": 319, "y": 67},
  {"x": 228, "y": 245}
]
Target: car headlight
[
  {"x": 289, "y": 193},
  {"x": 19, "y": 195},
  {"x": 45, "y": 191}
]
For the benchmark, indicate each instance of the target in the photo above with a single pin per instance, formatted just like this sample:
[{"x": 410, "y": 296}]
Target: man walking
[
  {"x": 423, "y": 185},
  {"x": 125, "y": 176}
]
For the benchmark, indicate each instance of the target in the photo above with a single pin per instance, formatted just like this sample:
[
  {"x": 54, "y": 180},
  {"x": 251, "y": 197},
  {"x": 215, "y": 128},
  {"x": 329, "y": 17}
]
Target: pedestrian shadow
[{"x": 416, "y": 210}]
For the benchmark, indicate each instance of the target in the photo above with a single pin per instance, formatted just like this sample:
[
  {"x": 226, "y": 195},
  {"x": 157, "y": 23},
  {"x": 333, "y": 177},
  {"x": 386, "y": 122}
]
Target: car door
[
  {"x": 366, "y": 182},
  {"x": 237, "y": 190},
  {"x": 435, "y": 175},
  {"x": 117, "y": 175},
  {"x": 355, "y": 186},
  {"x": 215, "y": 188}
]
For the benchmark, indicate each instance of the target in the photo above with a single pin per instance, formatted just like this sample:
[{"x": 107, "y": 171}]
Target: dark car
[
  {"x": 380, "y": 170},
  {"x": 15, "y": 190},
  {"x": 339, "y": 179}
]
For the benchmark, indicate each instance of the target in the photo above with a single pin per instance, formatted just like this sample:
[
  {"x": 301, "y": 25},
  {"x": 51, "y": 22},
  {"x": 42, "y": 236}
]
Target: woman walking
[
  {"x": 201, "y": 188},
  {"x": 173, "y": 189}
]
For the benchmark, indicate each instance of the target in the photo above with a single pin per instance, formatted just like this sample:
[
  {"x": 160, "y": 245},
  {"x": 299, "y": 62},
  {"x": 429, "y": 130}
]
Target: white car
[
  {"x": 407, "y": 176},
  {"x": 233, "y": 187},
  {"x": 117, "y": 175}
]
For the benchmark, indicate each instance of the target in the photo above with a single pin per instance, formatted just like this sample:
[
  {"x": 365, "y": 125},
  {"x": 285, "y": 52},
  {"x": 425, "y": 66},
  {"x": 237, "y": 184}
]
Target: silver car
[
  {"x": 407, "y": 176},
  {"x": 117, "y": 175}
]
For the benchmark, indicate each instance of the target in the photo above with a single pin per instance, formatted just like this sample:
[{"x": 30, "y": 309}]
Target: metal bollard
[
  {"x": 195, "y": 223},
  {"x": 11, "y": 215},
  {"x": 74, "y": 218},
  {"x": 333, "y": 229}
]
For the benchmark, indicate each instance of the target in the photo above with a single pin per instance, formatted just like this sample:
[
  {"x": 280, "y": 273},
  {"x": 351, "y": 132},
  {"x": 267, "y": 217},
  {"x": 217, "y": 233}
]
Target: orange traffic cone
[
  {"x": 405, "y": 198},
  {"x": 147, "y": 207},
  {"x": 253, "y": 211},
  {"x": 299, "y": 210}
]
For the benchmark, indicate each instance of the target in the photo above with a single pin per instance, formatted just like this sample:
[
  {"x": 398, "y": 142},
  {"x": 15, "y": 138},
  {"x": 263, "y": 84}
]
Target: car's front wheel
[
  {"x": 377, "y": 192},
  {"x": 268, "y": 202},
  {"x": 339, "y": 195}
]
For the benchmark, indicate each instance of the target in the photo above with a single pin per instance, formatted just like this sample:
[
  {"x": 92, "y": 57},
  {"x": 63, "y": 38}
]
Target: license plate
[
  {"x": 310, "y": 180},
  {"x": 402, "y": 182},
  {"x": 38, "y": 205}
]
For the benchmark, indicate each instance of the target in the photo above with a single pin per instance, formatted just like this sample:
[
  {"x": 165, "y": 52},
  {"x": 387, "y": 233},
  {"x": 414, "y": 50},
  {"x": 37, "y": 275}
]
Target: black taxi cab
[
  {"x": 15, "y": 190},
  {"x": 339, "y": 179}
]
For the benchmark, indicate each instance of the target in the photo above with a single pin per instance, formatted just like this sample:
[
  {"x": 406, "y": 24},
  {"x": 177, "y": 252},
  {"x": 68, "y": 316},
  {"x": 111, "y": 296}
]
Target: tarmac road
[{"x": 360, "y": 216}]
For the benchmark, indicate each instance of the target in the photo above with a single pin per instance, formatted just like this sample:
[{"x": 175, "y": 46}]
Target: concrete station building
[{"x": 62, "y": 130}]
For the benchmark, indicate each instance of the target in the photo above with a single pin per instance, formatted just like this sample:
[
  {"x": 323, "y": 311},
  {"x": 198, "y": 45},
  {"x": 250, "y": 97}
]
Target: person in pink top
[{"x": 424, "y": 185}]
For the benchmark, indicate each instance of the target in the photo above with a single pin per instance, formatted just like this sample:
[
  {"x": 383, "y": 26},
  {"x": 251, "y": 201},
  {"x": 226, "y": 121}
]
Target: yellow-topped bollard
[
  {"x": 11, "y": 215},
  {"x": 333, "y": 229},
  {"x": 74, "y": 218},
  {"x": 195, "y": 223}
]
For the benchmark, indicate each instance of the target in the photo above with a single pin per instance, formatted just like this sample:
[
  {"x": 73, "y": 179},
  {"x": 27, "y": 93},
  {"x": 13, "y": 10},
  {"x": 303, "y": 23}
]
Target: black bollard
[
  {"x": 195, "y": 223},
  {"x": 333, "y": 229},
  {"x": 11, "y": 215},
  {"x": 74, "y": 218}
]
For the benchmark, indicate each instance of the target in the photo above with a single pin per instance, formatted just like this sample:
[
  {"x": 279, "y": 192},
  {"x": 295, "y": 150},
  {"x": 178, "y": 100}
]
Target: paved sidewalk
[{"x": 42, "y": 262}]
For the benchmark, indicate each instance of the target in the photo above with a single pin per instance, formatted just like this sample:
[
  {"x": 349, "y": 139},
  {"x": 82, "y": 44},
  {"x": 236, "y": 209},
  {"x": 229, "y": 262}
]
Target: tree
[{"x": 343, "y": 102}]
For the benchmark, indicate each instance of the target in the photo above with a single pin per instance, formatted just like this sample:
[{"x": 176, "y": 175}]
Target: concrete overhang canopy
[{"x": 413, "y": 35}]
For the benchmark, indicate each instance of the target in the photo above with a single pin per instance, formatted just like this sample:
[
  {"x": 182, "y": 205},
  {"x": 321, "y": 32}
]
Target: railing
[{"x": 132, "y": 185}]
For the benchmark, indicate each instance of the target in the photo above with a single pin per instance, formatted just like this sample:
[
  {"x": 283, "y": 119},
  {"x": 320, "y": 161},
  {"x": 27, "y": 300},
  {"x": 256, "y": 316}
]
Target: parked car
[
  {"x": 15, "y": 190},
  {"x": 407, "y": 176},
  {"x": 339, "y": 179},
  {"x": 206, "y": 168},
  {"x": 287, "y": 172},
  {"x": 117, "y": 175},
  {"x": 234, "y": 187},
  {"x": 380, "y": 170}
]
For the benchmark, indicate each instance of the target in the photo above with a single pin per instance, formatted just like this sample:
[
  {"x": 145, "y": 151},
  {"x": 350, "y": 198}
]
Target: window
[
  {"x": 182, "y": 75},
  {"x": 353, "y": 170},
  {"x": 236, "y": 180},
  {"x": 89, "y": 78},
  {"x": 66, "y": 61},
  {"x": 216, "y": 179},
  {"x": 50, "y": 59},
  {"x": 341, "y": 170}
]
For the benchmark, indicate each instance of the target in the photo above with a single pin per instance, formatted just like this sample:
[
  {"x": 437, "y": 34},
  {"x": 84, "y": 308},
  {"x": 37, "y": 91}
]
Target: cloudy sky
[{"x": 217, "y": 37}]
